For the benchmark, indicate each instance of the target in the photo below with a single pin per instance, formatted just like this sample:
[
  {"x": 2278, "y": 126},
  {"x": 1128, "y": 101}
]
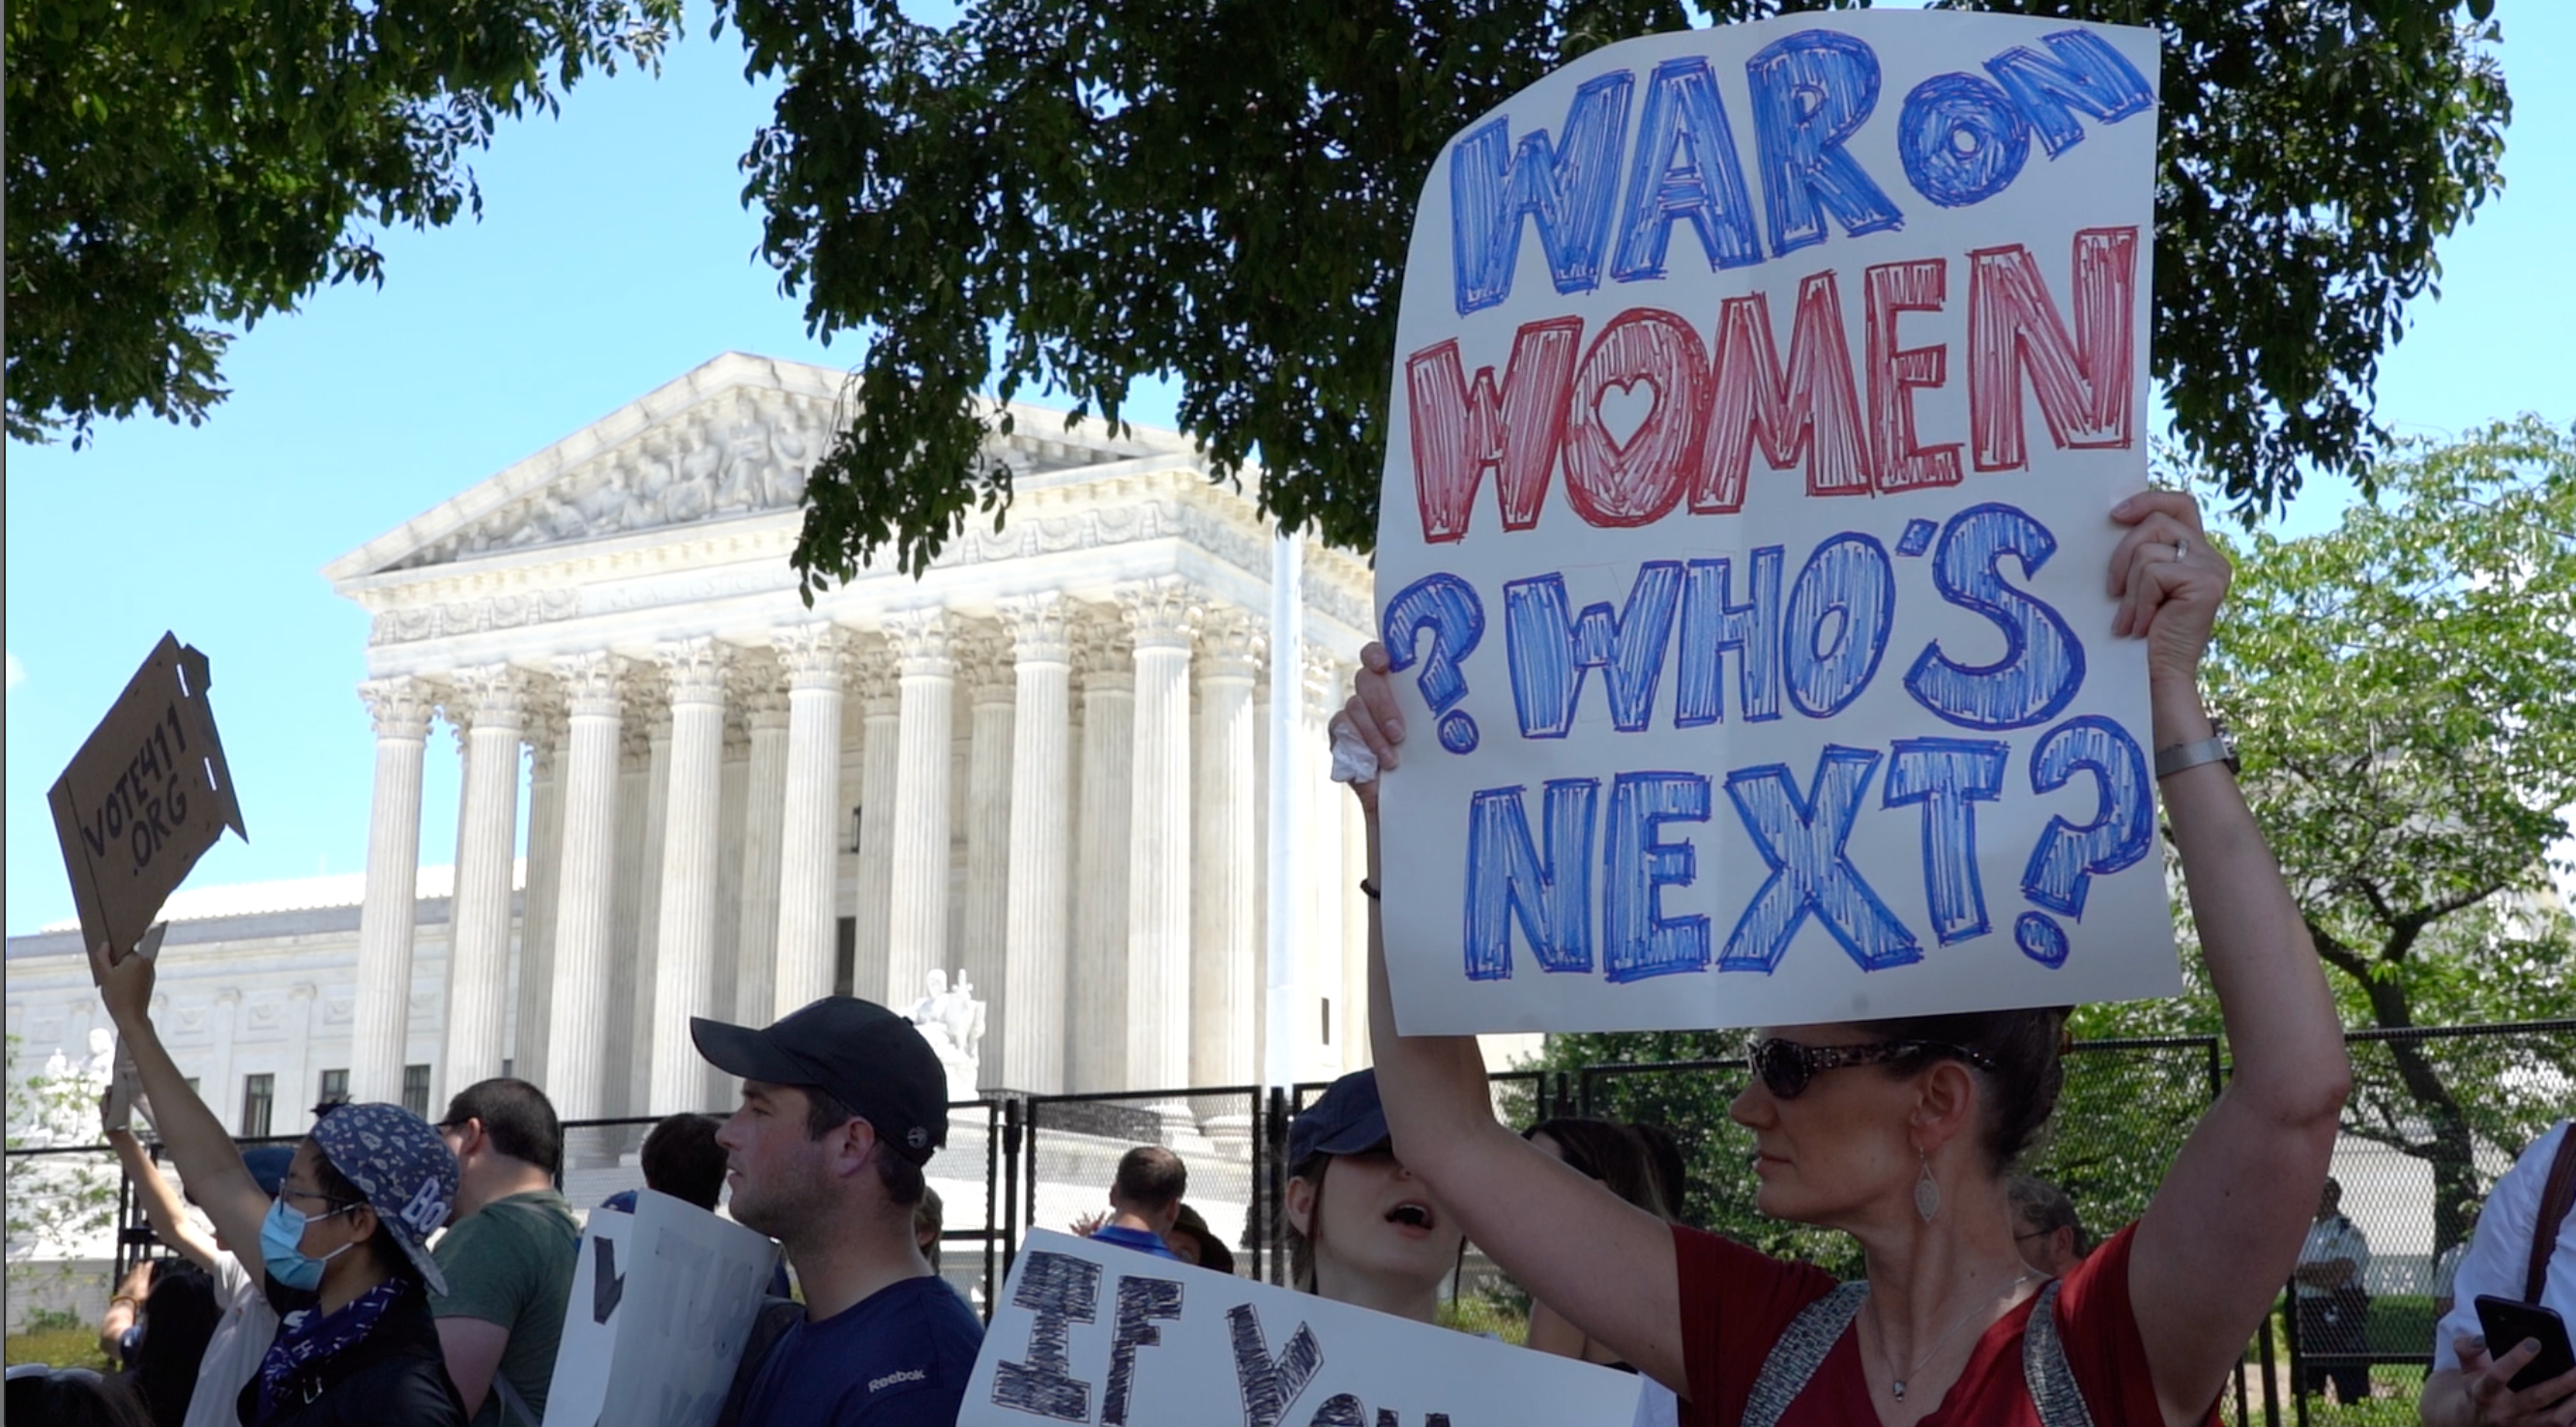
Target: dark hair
[
  {"x": 1301, "y": 1243},
  {"x": 1150, "y": 1177},
  {"x": 932, "y": 1215},
  {"x": 2046, "y": 1209},
  {"x": 341, "y": 1190},
  {"x": 2024, "y": 1048},
  {"x": 1612, "y": 1153},
  {"x": 682, "y": 1159},
  {"x": 1672, "y": 1170},
  {"x": 1214, "y": 1256},
  {"x": 903, "y": 1181},
  {"x": 73, "y": 1397},
  {"x": 179, "y": 1317},
  {"x": 518, "y": 1117}
]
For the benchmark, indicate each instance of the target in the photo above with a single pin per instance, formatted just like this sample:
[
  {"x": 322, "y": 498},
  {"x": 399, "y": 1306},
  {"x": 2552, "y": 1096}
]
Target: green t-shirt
[{"x": 511, "y": 1263}]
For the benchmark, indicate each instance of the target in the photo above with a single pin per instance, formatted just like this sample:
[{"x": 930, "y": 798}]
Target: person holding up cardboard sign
[
  {"x": 1900, "y": 1133},
  {"x": 843, "y": 1102},
  {"x": 345, "y": 1241}
]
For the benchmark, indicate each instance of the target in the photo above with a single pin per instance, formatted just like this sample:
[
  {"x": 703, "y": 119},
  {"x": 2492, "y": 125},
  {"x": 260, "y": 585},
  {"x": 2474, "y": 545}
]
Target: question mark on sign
[
  {"x": 1446, "y": 606},
  {"x": 2069, "y": 855}
]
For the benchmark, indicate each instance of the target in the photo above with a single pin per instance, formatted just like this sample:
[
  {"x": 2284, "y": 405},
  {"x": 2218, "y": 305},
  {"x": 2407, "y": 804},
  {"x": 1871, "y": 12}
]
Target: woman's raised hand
[
  {"x": 1371, "y": 714},
  {"x": 2169, "y": 580}
]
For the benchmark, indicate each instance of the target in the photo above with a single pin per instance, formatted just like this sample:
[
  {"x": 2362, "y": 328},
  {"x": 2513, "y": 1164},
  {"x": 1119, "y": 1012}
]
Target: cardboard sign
[
  {"x": 662, "y": 1302},
  {"x": 1094, "y": 1333},
  {"x": 144, "y": 798},
  {"x": 1761, "y": 395}
]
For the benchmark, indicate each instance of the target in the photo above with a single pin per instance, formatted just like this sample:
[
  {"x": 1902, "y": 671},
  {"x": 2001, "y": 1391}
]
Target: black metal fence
[{"x": 2435, "y": 1116}]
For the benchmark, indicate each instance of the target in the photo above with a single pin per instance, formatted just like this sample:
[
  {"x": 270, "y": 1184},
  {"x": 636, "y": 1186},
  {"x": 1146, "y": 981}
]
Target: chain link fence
[{"x": 2436, "y": 1115}]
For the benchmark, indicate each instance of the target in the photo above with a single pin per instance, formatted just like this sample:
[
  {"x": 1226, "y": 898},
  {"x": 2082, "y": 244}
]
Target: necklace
[{"x": 1896, "y": 1384}]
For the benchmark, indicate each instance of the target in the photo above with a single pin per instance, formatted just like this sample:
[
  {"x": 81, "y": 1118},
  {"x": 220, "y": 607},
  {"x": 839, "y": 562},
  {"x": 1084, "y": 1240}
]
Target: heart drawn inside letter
[{"x": 1622, "y": 408}]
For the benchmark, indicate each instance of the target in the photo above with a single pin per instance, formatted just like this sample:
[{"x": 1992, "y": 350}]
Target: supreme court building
[{"x": 1078, "y": 762}]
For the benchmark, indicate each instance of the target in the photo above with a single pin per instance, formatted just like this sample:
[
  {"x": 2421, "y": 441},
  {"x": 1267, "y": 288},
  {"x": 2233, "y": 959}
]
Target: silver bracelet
[{"x": 2216, "y": 749}]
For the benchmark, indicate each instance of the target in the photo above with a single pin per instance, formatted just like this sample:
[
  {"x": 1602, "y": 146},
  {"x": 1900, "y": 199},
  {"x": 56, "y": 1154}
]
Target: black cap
[
  {"x": 858, "y": 1052},
  {"x": 1346, "y": 1119}
]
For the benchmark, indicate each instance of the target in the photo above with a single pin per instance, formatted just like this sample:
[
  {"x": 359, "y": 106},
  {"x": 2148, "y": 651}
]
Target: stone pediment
[{"x": 734, "y": 438}]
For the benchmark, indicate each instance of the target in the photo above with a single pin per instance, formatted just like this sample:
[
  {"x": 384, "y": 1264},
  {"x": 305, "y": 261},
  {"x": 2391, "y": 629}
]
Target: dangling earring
[{"x": 1927, "y": 1190}]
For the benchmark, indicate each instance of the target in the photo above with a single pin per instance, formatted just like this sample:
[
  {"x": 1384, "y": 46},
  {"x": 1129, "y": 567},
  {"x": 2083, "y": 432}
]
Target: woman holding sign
[{"x": 1901, "y": 1132}]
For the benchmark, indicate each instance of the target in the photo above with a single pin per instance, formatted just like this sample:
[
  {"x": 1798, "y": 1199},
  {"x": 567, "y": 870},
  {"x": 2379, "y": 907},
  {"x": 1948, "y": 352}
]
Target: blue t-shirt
[
  {"x": 899, "y": 1357},
  {"x": 1140, "y": 1240}
]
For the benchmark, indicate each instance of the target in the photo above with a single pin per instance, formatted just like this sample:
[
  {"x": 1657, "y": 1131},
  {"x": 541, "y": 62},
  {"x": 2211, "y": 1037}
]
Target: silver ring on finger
[{"x": 2182, "y": 550}]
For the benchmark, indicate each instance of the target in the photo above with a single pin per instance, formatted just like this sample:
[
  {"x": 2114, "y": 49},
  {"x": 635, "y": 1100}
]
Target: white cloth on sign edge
[{"x": 1353, "y": 762}]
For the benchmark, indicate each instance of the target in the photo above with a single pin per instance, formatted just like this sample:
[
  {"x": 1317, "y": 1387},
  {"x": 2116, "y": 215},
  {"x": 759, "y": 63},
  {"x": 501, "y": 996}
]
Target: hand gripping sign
[
  {"x": 1098, "y": 1334},
  {"x": 144, "y": 798},
  {"x": 1760, "y": 399}
]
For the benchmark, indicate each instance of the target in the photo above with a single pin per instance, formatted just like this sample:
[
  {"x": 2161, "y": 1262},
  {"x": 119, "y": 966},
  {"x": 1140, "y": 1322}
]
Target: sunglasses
[{"x": 1787, "y": 1067}]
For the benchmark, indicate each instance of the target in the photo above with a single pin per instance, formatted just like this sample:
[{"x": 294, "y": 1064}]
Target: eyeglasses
[
  {"x": 339, "y": 1206},
  {"x": 1786, "y": 1067}
]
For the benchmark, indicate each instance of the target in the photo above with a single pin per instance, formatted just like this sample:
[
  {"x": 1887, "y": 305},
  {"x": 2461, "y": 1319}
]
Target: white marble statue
[{"x": 953, "y": 1023}]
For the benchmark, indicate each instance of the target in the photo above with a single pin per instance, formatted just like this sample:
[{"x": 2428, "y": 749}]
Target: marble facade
[{"x": 1047, "y": 765}]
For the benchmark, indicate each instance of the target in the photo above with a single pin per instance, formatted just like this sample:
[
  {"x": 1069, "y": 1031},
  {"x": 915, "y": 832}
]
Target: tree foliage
[
  {"x": 2403, "y": 691},
  {"x": 1075, "y": 195},
  {"x": 179, "y": 170}
]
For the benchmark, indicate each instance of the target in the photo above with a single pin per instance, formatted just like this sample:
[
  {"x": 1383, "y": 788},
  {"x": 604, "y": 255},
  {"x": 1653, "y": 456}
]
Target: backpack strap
[
  {"x": 1801, "y": 1350},
  {"x": 2555, "y": 1201},
  {"x": 2044, "y": 1367}
]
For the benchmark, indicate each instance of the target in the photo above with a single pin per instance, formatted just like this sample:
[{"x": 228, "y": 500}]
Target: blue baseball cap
[
  {"x": 406, "y": 1171},
  {"x": 1347, "y": 1118}
]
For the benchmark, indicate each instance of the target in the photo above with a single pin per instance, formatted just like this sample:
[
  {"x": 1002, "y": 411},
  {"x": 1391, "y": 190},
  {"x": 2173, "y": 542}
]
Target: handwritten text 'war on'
[
  {"x": 1812, "y": 646},
  {"x": 1712, "y": 401}
]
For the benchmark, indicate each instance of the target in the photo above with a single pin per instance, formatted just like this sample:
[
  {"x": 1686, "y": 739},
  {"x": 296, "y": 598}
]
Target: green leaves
[
  {"x": 175, "y": 171},
  {"x": 1069, "y": 196}
]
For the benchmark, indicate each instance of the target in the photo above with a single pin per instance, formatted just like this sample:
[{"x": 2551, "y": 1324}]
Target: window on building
[
  {"x": 1326, "y": 1004},
  {"x": 259, "y": 1096},
  {"x": 335, "y": 1086},
  {"x": 858, "y": 820},
  {"x": 416, "y": 1090},
  {"x": 509, "y": 1067},
  {"x": 845, "y": 956}
]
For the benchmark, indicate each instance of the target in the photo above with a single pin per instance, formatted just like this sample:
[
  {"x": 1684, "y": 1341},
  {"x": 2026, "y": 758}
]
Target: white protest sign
[
  {"x": 1761, "y": 396},
  {"x": 661, "y": 1305},
  {"x": 1093, "y": 1333}
]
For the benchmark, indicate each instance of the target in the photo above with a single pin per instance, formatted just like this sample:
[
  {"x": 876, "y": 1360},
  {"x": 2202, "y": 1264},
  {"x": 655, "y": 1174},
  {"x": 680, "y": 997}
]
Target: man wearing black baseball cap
[{"x": 842, "y": 1104}]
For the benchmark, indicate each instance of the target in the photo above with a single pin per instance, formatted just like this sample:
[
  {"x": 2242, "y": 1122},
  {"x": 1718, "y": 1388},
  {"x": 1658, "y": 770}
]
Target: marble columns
[
  {"x": 585, "y": 915},
  {"x": 767, "y": 712},
  {"x": 1032, "y": 1042},
  {"x": 1163, "y": 617},
  {"x": 684, "y": 954},
  {"x": 981, "y": 963},
  {"x": 917, "y": 900},
  {"x": 1322, "y": 952},
  {"x": 879, "y": 765},
  {"x": 382, "y": 1017},
  {"x": 1096, "y": 981},
  {"x": 809, "y": 818},
  {"x": 220, "y": 1092},
  {"x": 532, "y": 1014},
  {"x": 1225, "y": 951}
]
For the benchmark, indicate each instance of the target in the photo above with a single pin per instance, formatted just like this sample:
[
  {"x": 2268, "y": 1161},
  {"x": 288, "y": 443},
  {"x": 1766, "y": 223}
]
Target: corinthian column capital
[
  {"x": 590, "y": 684},
  {"x": 815, "y": 655},
  {"x": 1040, "y": 626},
  {"x": 1231, "y": 644},
  {"x": 695, "y": 668},
  {"x": 491, "y": 696},
  {"x": 400, "y": 706},
  {"x": 1162, "y": 613},
  {"x": 921, "y": 640}
]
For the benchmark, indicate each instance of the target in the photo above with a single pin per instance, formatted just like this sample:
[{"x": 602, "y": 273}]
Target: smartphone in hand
[{"x": 2507, "y": 1322}]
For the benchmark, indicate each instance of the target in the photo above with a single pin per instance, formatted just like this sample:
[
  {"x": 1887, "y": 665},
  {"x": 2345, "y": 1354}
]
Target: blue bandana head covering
[{"x": 403, "y": 1168}]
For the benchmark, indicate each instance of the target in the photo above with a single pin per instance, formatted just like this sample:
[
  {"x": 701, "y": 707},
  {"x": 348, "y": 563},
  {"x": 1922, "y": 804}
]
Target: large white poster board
[
  {"x": 1761, "y": 394},
  {"x": 662, "y": 1301},
  {"x": 1094, "y": 1333}
]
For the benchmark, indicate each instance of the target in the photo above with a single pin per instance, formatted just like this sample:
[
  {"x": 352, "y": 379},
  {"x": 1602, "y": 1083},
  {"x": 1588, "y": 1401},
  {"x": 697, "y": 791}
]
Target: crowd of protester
[{"x": 411, "y": 1274}]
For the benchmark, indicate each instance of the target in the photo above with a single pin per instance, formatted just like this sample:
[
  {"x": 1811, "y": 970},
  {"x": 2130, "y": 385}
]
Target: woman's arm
[
  {"x": 2224, "y": 1229},
  {"x": 197, "y": 1141},
  {"x": 161, "y": 1208},
  {"x": 123, "y": 1307},
  {"x": 1603, "y": 1263}
]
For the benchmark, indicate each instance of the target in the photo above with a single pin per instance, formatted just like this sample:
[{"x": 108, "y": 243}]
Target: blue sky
[{"x": 615, "y": 254}]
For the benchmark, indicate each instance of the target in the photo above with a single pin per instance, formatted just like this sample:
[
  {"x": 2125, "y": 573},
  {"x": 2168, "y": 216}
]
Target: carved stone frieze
[{"x": 478, "y": 616}]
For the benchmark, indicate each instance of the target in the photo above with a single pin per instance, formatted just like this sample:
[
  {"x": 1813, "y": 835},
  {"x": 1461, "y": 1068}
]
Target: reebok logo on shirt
[{"x": 890, "y": 1379}]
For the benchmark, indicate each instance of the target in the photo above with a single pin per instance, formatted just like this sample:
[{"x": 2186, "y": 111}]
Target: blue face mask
[{"x": 281, "y": 1245}]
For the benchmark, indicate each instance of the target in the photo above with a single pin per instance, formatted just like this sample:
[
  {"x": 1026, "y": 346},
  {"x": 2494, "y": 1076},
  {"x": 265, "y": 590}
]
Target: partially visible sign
[
  {"x": 144, "y": 798},
  {"x": 1093, "y": 1333},
  {"x": 662, "y": 1303}
]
